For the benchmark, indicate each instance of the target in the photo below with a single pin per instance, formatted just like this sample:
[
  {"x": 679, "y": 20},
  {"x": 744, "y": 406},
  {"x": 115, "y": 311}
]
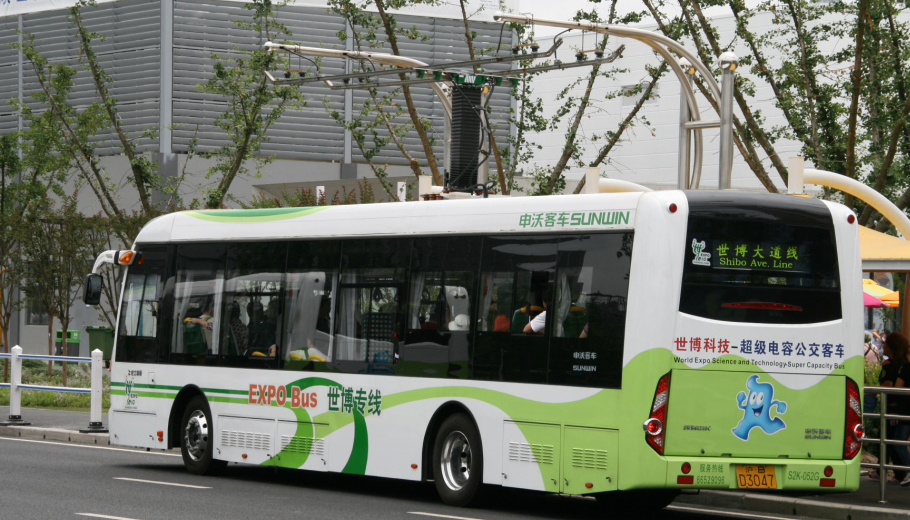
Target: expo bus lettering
[{"x": 265, "y": 394}]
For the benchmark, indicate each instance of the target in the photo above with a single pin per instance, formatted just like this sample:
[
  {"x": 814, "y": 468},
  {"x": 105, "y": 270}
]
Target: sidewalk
[
  {"x": 863, "y": 504},
  {"x": 54, "y": 425}
]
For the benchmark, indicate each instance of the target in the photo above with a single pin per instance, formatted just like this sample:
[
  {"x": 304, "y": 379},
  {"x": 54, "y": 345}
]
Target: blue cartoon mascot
[{"x": 756, "y": 408}]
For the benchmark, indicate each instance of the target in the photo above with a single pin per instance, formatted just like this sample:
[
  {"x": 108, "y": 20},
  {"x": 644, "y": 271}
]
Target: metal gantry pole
[
  {"x": 728, "y": 64},
  {"x": 685, "y": 142}
]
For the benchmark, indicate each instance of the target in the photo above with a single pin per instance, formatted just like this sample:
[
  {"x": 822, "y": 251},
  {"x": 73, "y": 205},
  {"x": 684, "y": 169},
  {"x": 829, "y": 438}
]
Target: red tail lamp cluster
[
  {"x": 655, "y": 426},
  {"x": 853, "y": 425}
]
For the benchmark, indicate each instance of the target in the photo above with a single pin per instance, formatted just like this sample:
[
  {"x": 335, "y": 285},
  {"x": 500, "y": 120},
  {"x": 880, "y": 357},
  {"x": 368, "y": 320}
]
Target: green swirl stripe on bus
[
  {"x": 252, "y": 215},
  {"x": 357, "y": 461}
]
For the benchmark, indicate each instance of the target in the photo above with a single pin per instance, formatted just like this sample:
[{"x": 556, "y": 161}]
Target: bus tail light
[
  {"x": 853, "y": 428},
  {"x": 655, "y": 427}
]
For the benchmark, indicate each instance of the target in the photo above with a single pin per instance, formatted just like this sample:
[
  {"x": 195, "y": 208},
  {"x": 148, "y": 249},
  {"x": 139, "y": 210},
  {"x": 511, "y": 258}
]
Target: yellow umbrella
[{"x": 887, "y": 296}]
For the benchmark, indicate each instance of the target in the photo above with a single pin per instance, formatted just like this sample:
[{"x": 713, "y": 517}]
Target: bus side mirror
[{"x": 93, "y": 284}]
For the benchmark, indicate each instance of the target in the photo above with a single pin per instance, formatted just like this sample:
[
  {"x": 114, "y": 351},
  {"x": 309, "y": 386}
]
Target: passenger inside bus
[
  {"x": 263, "y": 328},
  {"x": 197, "y": 343},
  {"x": 538, "y": 322},
  {"x": 523, "y": 316},
  {"x": 238, "y": 339}
]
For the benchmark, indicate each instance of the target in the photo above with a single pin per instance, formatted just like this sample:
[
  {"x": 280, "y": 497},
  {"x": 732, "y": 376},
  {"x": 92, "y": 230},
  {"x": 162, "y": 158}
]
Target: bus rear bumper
[{"x": 763, "y": 474}]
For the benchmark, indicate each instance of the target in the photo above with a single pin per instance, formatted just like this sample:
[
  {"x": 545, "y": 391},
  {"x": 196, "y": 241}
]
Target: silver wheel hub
[
  {"x": 456, "y": 461},
  {"x": 196, "y": 435}
]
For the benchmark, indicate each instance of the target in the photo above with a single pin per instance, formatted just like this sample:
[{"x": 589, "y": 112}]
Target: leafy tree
[
  {"x": 64, "y": 134},
  {"x": 838, "y": 75},
  {"x": 10, "y": 239},
  {"x": 56, "y": 257},
  {"x": 579, "y": 108},
  {"x": 528, "y": 118},
  {"x": 252, "y": 104},
  {"x": 380, "y": 111}
]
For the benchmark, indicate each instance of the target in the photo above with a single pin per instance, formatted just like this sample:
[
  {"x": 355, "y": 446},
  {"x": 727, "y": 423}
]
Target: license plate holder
[{"x": 755, "y": 476}]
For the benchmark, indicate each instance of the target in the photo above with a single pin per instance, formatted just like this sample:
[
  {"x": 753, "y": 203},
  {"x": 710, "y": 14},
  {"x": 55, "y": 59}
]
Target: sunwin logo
[{"x": 756, "y": 407}]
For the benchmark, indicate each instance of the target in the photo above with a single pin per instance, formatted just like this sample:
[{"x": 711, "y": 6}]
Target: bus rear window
[{"x": 771, "y": 268}]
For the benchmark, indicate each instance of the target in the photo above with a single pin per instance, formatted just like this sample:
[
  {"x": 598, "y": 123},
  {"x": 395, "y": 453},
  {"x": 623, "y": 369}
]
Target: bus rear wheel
[
  {"x": 458, "y": 461},
  {"x": 196, "y": 439}
]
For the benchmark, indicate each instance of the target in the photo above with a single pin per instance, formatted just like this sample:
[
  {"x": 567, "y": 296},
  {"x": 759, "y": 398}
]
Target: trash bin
[
  {"x": 72, "y": 343},
  {"x": 101, "y": 338}
]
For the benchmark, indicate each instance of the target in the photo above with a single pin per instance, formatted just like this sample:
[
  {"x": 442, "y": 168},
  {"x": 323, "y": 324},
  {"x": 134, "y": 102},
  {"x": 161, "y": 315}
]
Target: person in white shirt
[{"x": 537, "y": 324}]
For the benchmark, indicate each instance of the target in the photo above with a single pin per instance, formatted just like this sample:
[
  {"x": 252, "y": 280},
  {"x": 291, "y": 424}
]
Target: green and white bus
[{"x": 684, "y": 340}]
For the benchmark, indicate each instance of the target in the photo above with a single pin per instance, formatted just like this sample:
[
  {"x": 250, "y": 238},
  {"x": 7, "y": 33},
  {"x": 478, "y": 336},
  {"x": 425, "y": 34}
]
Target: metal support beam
[{"x": 728, "y": 64}]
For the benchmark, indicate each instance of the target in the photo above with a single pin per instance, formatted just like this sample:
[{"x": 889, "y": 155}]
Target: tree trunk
[{"x": 50, "y": 344}]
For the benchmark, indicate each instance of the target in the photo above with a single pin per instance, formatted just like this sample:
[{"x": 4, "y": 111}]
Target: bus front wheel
[
  {"x": 196, "y": 439},
  {"x": 458, "y": 461}
]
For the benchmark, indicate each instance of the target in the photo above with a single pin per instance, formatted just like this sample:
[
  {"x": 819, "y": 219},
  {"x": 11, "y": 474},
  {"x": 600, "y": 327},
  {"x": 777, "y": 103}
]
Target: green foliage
[
  {"x": 527, "y": 119},
  {"x": 541, "y": 182},
  {"x": 62, "y": 133},
  {"x": 57, "y": 255},
  {"x": 377, "y": 123},
  {"x": 306, "y": 197}
]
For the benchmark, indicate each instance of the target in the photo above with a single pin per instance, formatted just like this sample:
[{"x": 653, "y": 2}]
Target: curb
[
  {"x": 55, "y": 434},
  {"x": 783, "y": 505}
]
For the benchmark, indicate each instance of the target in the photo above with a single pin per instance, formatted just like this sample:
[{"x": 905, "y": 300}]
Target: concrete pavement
[{"x": 863, "y": 504}]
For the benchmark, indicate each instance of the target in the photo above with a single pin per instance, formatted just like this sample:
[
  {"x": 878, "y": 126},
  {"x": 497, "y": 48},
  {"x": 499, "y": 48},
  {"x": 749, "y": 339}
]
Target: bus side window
[
  {"x": 308, "y": 338},
  {"x": 197, "y": 309},
  {"x": 254, "y": 279},
  {"x": 442, "y": 306},
  {"x": 516, "y": 272},
  {"x": 369, "y": 314},
  {"x": 589, "y": 309}
]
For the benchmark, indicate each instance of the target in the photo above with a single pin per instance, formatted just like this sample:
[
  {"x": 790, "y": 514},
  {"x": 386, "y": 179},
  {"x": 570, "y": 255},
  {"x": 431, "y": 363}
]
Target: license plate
[{"x": 755, "y": 476}]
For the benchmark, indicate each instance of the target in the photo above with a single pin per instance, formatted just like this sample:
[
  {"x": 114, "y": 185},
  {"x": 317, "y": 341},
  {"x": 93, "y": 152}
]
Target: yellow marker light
[{"x": 126, "y": 258}]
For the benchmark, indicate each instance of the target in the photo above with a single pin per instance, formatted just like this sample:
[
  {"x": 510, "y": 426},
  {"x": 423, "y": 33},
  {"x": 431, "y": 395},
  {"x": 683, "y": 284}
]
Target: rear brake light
[
  {"x": 656, "y": 425},
  {"x": 853, "y": 427},
  {"x": 762, "y": 306}
]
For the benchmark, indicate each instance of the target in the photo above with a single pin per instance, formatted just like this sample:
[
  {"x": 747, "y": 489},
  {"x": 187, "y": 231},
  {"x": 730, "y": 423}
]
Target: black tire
[
  {"x": 197, "y": 439},
  {"x": 458, "y": 461}
]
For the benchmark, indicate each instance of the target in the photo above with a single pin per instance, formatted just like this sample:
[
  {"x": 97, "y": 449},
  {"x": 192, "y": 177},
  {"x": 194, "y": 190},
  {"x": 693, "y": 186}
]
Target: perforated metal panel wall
[{"x": 131, "y": 55}]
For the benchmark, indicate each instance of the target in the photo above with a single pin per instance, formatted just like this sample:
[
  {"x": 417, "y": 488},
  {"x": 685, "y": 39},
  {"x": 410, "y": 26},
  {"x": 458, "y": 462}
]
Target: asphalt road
[{"x": 42, "y": 480}]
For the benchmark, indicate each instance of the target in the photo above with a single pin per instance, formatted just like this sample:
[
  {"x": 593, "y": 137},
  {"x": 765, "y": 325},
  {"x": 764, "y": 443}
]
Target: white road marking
[
  {"x": 442, "y": 516},
  {"x": 162, "y": 483},
  {"x": 62, "y": 443},
  {"x": 93, "y": 515},
  {"x": 726, "y": 513}
]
